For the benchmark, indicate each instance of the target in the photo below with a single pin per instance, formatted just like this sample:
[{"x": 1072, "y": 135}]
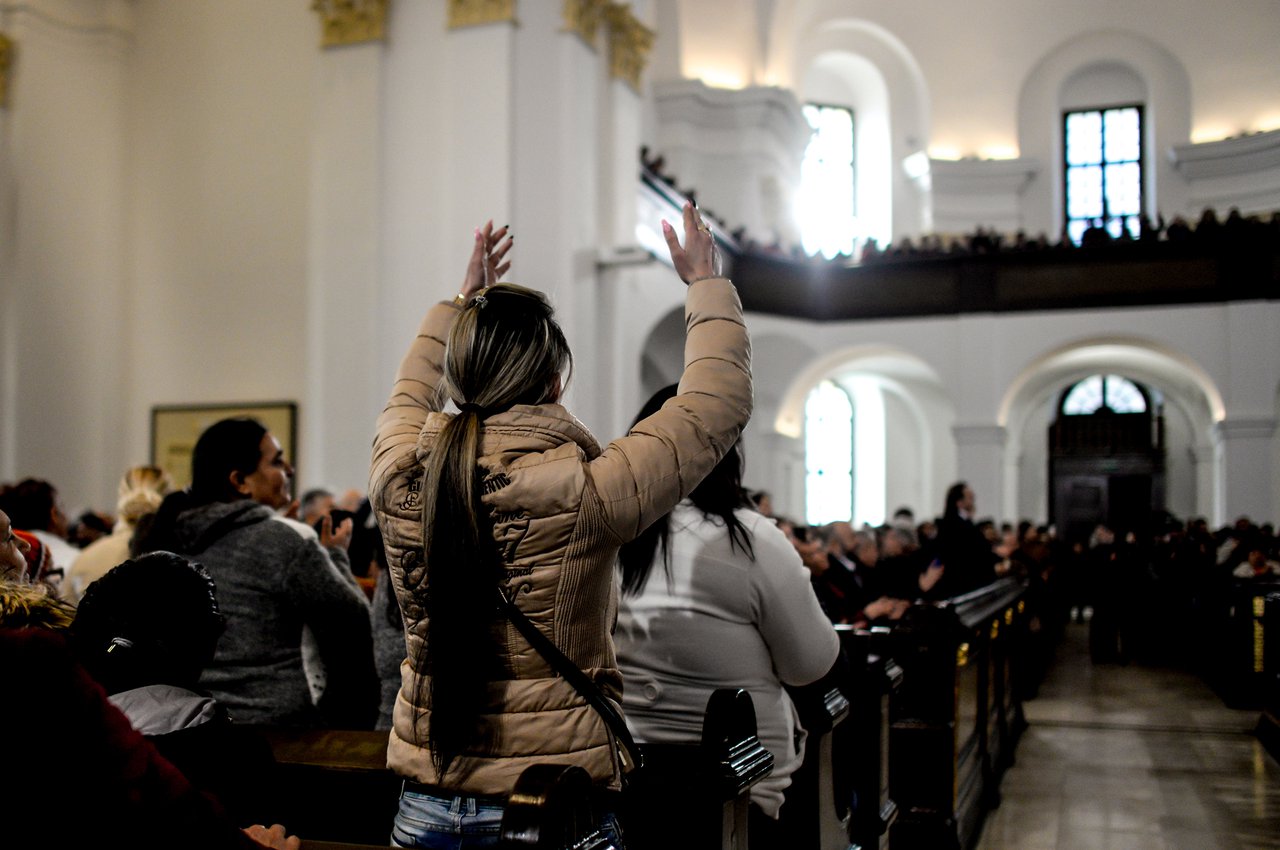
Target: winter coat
[
  {"x": 271, "y": 582},
  {"x": 561, "y": 507}
]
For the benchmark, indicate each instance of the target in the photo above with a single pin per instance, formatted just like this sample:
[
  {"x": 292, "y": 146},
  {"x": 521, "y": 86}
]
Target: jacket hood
[
  {"x": 194, "y": 527},
  {"x": 522, "y": 428},
  {"x": 32, "y": 605},
  {"x": 161, "y": 709}
]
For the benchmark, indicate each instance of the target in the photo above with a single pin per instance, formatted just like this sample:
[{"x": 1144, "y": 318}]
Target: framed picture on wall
[{"x": 175, "y": 429}]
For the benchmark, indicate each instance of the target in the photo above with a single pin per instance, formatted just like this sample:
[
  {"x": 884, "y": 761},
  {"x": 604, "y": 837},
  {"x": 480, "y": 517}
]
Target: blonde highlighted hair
[{"x": 141, "y": 491}]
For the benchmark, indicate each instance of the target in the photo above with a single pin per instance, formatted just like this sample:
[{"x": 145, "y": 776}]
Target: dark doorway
[{"x": 1106, "y": 459}]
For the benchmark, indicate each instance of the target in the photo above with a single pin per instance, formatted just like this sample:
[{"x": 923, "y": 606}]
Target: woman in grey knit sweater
[{"x": 271, "y": 583}]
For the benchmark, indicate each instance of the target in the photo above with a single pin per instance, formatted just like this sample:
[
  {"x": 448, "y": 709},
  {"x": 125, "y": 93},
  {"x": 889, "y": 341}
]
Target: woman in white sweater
[{"x": 715, "y": 596}]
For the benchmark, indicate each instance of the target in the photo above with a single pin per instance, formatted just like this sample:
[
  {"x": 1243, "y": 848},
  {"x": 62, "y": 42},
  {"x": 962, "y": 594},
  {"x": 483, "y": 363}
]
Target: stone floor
[{"x": 1134, "y": 758}]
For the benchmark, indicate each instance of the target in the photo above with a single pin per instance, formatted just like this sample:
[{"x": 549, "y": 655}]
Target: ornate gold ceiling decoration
[
  {"x": 471, "y": 13},
  {"x": 629, "y": 44},
  {"x": 6, "y": 63},
  {"x": 585, "y": 17},
  {"x": 351, "y": 21}
]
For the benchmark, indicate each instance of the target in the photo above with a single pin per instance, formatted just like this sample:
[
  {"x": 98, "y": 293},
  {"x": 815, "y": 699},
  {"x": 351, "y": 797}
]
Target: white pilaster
[
  {"x": 1246, "y": 482},
  {"x": 344, "y": 266}
]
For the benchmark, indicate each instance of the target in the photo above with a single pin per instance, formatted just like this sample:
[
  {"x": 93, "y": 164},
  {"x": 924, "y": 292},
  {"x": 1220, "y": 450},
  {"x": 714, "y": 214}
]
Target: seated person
[
  {"x": 1256, "y": 564},
  {"x": 146, "y": 631},
  {"x": 714, "y": 596}
]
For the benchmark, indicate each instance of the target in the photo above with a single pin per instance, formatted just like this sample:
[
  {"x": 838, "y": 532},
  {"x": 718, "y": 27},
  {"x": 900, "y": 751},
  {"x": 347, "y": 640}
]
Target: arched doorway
[
  {"x": 1191, "y": 405},
  {"x": 1106, "y": 458}
]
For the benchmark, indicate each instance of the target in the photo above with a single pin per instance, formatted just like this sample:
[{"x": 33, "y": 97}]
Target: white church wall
[
  {"x": 65, "y": 305},
  {"x": 219, "y": 135}
]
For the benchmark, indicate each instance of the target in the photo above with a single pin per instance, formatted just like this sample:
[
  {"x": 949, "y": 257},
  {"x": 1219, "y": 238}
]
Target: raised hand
[
  {"x": 699, "y": 258},
  {"x": 340, "y": 536},
  {"x": 487, "y": 264}
]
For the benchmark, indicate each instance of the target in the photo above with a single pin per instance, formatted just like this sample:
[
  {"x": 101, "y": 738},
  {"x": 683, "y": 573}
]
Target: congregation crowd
[{"x": 167, "y": 630}]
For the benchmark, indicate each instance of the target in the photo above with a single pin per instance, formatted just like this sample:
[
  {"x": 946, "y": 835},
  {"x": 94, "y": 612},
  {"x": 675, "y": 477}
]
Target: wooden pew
[
  {"x": 1267, "y": 656},
  {"x": 817, "y": 809},
  {"x": 334, "y": 786},
  {"x": 1244, "y": 676},
  {"x": 863, "y": 744},
  {"x": 957, "y": 717},
  {"x": 695, "y": 796},
  {"x": 550, "y": 809}
]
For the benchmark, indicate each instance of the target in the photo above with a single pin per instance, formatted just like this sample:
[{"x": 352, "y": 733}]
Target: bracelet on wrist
[
  {"x": 460, "y": 300},
  {"x": 705, "y": 277}
]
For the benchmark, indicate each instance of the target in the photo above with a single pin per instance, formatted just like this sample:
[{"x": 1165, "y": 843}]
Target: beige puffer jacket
[{"x": 561, "y": 509}]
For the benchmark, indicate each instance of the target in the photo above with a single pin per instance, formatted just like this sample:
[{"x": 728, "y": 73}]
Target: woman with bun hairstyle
[
  {"x": 508, "y": 493},
  {"x": 139, "y": 494}
]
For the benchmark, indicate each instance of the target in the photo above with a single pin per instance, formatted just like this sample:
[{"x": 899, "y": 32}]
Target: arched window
[
  {"x": 845, "y": 452},
  {"x": 827, "y": 207},
  {"x": 828, "y": 455},
  {"x": 1117, "y": 394}
]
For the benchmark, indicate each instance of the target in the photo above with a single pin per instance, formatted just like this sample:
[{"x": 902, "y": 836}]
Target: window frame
[
  {"x": 853, "y": 160},
  {"x": 1141, "y": 388},
  {"x": 1141, "y": 161}
]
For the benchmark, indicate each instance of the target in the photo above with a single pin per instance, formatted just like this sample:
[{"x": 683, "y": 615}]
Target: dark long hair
[
  {"x": 717, "y": 495},
  {"x": 504, "y": 349},
  {"x": 226, "y": 446},
  {"x": 954, "y": 494}
]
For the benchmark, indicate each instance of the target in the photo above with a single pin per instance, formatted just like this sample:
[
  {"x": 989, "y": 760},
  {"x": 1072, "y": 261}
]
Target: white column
[
  {"x": 1202, "y": 457},
  {"x": 1246, "y": 446},
  {"x": 343, "y": 276},
  {"x": 66, "y": 319}
]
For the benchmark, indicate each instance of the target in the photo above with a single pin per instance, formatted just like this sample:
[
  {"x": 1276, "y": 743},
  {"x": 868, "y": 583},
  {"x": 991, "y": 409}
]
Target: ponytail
[{"x": 504, "y": 349}]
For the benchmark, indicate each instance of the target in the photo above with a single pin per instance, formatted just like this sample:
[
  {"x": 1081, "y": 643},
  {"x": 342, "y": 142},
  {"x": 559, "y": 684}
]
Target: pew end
[
  {"x": 551, "y": 809},
  {"x": 701, "y": 787},
  {"x": 818, "y": 806}
]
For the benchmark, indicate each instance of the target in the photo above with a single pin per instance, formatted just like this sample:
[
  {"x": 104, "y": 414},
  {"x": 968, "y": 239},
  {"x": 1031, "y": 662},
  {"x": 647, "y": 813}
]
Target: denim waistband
[{"x": 449, "y": 793}]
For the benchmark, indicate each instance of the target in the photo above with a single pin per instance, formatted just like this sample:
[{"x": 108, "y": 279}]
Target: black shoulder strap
[{"x": 629, "y": 753}]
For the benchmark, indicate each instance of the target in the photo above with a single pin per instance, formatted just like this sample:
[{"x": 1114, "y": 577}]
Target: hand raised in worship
[
  {"x": 699, "y": 257},
  {"x": 487, "y": 264}
]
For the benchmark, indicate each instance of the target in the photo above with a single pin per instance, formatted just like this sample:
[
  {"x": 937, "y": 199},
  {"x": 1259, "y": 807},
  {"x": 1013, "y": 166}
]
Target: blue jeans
[{"x": 460, "y": 823}]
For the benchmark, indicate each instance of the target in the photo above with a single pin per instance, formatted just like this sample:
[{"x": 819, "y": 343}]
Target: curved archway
[
  {"x": 1191, "y": 397},
  {"x": 1057, "y": 82},
  {"x": 917, "y": 412},
  {"x": 849, "y": 47}
]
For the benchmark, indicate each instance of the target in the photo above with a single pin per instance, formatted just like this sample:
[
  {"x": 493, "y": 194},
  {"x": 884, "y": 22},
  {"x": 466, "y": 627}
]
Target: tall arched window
[
  {"x": 828, "y": 454},
  {"x": 827, "y": 206},
  {"x": 845, "y": 452}
]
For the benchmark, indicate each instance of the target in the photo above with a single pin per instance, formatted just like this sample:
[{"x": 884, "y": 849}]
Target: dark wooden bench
[
  {"x": 696, "y": 795},
  {"x": 334, "y": 786},
  {"x": 863, "y": 744},
  {"x": 818, "y": 801},
  {"x": 957, "y": 716},
  {"x": 551, "y": 809},
  {"x": 1266, "y": 655}
]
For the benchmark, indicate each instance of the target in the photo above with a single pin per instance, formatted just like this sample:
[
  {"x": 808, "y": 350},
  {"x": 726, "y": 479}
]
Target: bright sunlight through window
[
  {"x": 825, "y": 204},
  {"x": 845, "y": 452}
]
